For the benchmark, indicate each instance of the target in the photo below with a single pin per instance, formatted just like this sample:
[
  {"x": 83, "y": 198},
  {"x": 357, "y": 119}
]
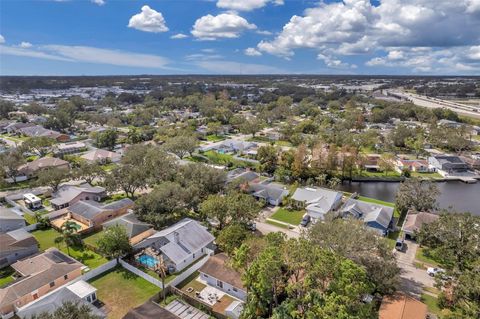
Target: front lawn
[
  {"x": 422, "y": 256},
  {"x": 215, "y": 138},
  {"x": 271, "y": 222},
  {"x": 432, "y": 305},
  {"x": 392, "y": 238},
  {"x": 121, "y": 290},
  {"x": 46, "y": 239},
  {"x": 293, "y": 217}
]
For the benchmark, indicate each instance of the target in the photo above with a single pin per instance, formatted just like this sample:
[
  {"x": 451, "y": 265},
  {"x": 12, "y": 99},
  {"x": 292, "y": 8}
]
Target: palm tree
[
  {"x": 69, "y": 232},
  {"x": 161, "y": 270}
]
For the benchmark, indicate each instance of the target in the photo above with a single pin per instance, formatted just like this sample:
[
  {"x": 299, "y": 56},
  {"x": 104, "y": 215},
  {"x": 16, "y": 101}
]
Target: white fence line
[
  {"x": 99, "y": 270},
  {"x": 31, "y": 227},
  {"x": 140, "y": 273},
  {"x": 184, "y": 275}
]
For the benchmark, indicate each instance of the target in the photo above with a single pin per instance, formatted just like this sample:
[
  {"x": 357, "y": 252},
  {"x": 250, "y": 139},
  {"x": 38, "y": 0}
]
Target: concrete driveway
[{"x": 412, "y": 279}]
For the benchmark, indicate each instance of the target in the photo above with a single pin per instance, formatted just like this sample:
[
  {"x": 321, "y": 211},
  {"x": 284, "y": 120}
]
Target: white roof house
[
  {"x": 318, "y": 201},
  {"x": 181, "y": 243}
]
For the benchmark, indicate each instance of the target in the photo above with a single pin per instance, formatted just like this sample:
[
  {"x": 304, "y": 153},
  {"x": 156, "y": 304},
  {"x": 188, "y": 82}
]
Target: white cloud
[
  {"x": 230, "y": 67},
  {"x": 2, "y": 39},
  {"x": 98, "y": 2},
  {"x": 25, "y": 45},
  {"x": 179, "y": 36},
  {"x": 148, "y": 20},
  {"x": 252, "y": 52},
  {"x": 202, "y": 57},
  {"x": 334, "y": 63},
  {"x": 263, "y": 32},
  {"x": 89, "y": 55},
  {"x": 245, "y": 5},
  {"x": 225, "y": 25},
  {"x": 353, "y": 27}
]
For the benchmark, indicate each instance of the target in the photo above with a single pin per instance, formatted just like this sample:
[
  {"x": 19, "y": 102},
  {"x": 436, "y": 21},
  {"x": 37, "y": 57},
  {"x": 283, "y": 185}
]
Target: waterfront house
[
  {"x": 15, "y": 245},
  {"x": 180, "y": 244},
  {"x": 316, "y": 201},
  {"x": 272, "y": 193},
  {"x": 415, "y": 165},
  {"x": 415, "y": 220},
  {"x": 39, "y": 275},
  {"x": 375, "y": 216},
  {"x": 448, "y": 164}
]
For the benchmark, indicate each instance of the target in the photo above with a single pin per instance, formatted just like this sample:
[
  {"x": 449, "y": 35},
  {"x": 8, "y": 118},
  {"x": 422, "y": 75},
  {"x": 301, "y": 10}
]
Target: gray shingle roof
[
  {"x": 369, "y": 212},
  {"x": 67, "y": 193},
  {"x": 132, "y": 225}
]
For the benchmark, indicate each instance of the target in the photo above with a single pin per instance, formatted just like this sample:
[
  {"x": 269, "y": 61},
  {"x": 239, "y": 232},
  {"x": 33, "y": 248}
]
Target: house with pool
[{"x": 179, "y": 245}]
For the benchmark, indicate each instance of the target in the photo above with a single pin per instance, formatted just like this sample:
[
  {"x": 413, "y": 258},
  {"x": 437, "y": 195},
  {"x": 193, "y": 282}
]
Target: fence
[
  {"x": 31, "y": 227},
  {"x": 140, "y": 273},
  {"x": 203, "y": 306},
  {"x": 184, "y": 275},
  {"x": 99, "y": 270}
]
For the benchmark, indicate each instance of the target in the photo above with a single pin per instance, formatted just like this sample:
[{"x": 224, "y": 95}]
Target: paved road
[
  {"x": 265, "y": 228},
  {"x": 412, "y": 279}
]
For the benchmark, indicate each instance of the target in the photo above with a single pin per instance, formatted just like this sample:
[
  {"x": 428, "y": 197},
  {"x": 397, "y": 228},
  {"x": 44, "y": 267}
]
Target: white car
[{"x": 432, "y": 271}]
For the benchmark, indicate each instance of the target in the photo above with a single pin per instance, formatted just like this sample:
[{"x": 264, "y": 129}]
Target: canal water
[{"x": 458, "y": 196}]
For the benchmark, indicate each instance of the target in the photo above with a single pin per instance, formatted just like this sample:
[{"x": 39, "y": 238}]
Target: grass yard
[
  {"x": 225, "y": 159},
  {"x": 271, "y": 222},
  {"x": 122, "y": 290},
  {"x": 379, "y": 174},
  {"x": 6, "y": 275},
  {"x": 108, "y": 167},
  {"x": 215, "y": 138},
  {"x": 426, "y": 175},
  {"x": 375, "y": 201},
  {"x": 293, "y": 217},
  {"x": 91, "y": 239},
  {"x": 422, "y": 256},
  {"x": 86, "y": 256},
  {"x": 113, "y": 198},
  {"x": 283, "y": 143},
  {"x": 432, "y": 304}
]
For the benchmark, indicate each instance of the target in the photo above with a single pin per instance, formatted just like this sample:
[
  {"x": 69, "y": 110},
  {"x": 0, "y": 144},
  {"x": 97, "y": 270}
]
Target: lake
[{"x": 459, "y": 196}]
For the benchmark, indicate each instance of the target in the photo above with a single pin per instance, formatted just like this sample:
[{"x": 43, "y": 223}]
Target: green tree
[
  {"x": 68, "y": 310},
  {"x": 11, "y": 163},
  {"x": 5, "y": 108},
  {"x": 89, "y": 171},
  {"x": 128, "y": 178},
  {"x": 214, "y": 127},
  {"x": 251, "y": 126},
  {"x": 268, "y": 157},
  {"x": 52, "y": 177},
  {"x": 231, "y": 237},
  {"x": 181, "y": 145},
  {"x": 416, "y": 194},
  {"x": 115, "y": 242},
  {"x": 40, "y": 145},
  {"x": 69, "y": 235},
  {"x": 106, "y": 139}
]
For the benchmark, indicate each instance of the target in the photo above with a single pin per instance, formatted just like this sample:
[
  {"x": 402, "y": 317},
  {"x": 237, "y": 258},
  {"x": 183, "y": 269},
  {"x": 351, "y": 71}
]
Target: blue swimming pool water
[{"x": 147, "y": 260}]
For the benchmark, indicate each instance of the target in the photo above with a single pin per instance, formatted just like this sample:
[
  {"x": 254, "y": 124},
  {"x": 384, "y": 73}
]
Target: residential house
[
  {"x": 272, "y": 193},
  {"x": 231, "y": 146},
  {"x": 416, "y": 165},
  {"x": 447, "y": 164},
  {"x": 317, "y": 201},
  {"x": 40, "y": 274},
  {"x": 70, "y": 194},
  {"x": 80, "y": 293},
  {"x": 15, "y": 245},
  {"x": 244, "y": 175},
  {"x": 90, "y": 215},
  {"x": 101, "y": 156},
  {"x": 180, "y": 244},
  {"x": 371, "y": 164},
  {"x": 69, "y": 148},
  {"x": 415, "y": 221},
  {"x": 136, "y": 229},
  {"x": 375, "y": 216},
  {"x": 217, "y": 273},
  {"x": 14, "y": 128},
  {"x": 31, "y": 169},
  {"x": 402, "y": 306},
  {"x": 40, "y": 131},
  {"x": 473, "y": 161},
  {"x": 9, "y": 220}
]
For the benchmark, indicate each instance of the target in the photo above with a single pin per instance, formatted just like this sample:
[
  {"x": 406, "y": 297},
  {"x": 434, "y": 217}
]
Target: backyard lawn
[
  {"x": 46, "y": 239},
  {"x": 6, "y": 275},
  {"x": 375, "y": 201},
  {"x": 293, "y": 217},
  {"x": 93, "y": 238},
  {"x": 121, "y": 290},
  {"x": 432, "y": 305}
]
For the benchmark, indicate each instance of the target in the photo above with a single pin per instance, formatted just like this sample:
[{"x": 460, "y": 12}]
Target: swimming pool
[{"x": 147, "y": 260}]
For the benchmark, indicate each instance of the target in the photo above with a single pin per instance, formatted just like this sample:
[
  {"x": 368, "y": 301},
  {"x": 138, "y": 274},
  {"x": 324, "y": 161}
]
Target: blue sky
[{"x": 97, "y": 37}]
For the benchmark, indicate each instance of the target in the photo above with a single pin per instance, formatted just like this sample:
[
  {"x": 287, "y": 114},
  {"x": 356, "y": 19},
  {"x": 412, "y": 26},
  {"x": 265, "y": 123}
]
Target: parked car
[
  {"x": 399, "y": 244},
  {"x": 433, "y": 271},
  {"x": 306, "y": 220}
]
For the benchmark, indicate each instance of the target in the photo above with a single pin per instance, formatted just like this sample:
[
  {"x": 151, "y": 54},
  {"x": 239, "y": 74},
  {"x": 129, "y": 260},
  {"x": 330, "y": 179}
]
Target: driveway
[
  {"x": 265, "y": 228},
  {"x": 412, "y": 279}
]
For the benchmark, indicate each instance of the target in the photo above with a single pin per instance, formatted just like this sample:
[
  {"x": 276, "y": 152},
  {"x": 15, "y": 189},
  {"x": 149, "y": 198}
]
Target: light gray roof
[
  {"x": 191, "y": 237},
  {"x": 268, "y": 191},
  {"x": 54, "y": 300},
  {"x": 132, "y": 225},
  {"x": 7, "y": 213},
  {"x": 319, "y": 200},
  {"x": 119, "y": 204},
  {"x": 369, "y": 212},
  {"x": 86, "y": 208},
  {"x": 67, "y": 193}
]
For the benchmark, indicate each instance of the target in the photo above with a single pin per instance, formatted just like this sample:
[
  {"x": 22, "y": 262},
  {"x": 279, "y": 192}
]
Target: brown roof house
[
  {"x": 39, "y": 275},
  {"x": 15, "y": 245},
  {"x": 90, "y": 215},
  {"x": 101, "y": 156},
  {"x": 216, "y": 272},
  {"x": 415, "y": 221},
  {"x": 401, "y": 306},
  {"x": 70, "y": 194},
  {"x": 31, "y": 169},
  {"x": 37, "y": 131}
]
